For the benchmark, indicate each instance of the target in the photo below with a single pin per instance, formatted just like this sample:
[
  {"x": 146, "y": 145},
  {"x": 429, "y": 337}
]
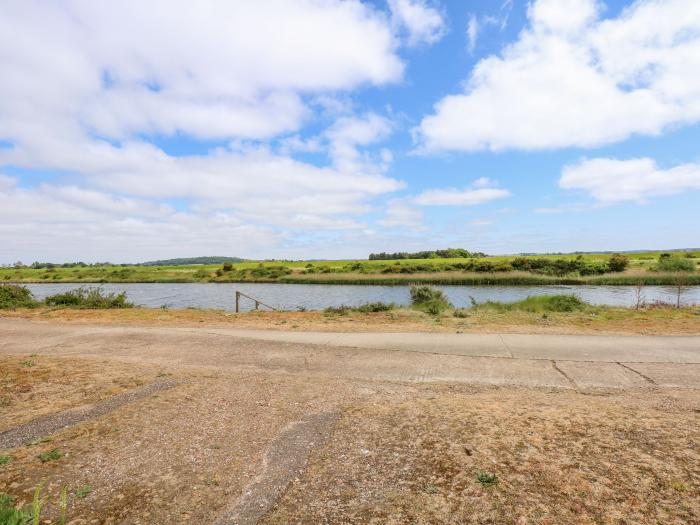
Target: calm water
[{"x": 318, "y": 296}]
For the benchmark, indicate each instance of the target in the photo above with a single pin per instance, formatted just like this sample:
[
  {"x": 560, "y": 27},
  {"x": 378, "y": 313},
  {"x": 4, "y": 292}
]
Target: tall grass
[{"x": 538, "y": 304}]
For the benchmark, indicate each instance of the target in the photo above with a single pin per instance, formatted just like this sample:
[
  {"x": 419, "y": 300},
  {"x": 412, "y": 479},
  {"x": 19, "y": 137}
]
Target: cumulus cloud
[
  {"x": 613, "y": 180},
  {"x": 89, "y": 89},
  {"x": 401, "y": 213},
  {"x": 423, "y": 23},
  {"x": 574, "y": 79}
]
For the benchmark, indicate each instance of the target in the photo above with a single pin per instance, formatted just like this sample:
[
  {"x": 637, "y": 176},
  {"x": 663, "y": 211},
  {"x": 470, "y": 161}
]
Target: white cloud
[
  {"x": 401, "y": 213},
  {"x": 460, "y": 197},
  {"x": 572, "y": 79},
  {"x": 472, "y": 32},
  {"x": 612, "y": 180},
  {"x": 86, "y": 86},
  {"x": 423, "y": 23},
  {"x": 347, "y": 133}
]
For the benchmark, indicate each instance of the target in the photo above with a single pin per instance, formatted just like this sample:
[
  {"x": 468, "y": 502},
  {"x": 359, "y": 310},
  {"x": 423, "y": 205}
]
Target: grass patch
[
  {"x": 83, "y": 491},
  {"x": 89, "y": 298},
  {"x": 14, "y": 296},
  {"x": 538, "y": 304},
  {"x": 4, "y": 460},
  {"x": 363, "y": 308},
  {"x": 51, "y": 455},
  {"x": 486, "y": 479}
]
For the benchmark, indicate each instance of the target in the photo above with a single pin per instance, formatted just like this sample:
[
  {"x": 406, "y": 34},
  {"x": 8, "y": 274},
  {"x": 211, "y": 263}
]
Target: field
[{"x": 642, "y": 269}]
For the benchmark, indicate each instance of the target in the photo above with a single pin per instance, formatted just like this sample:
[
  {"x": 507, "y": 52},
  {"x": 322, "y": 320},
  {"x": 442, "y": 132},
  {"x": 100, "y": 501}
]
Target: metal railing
[{"x": 256, "y": 301}]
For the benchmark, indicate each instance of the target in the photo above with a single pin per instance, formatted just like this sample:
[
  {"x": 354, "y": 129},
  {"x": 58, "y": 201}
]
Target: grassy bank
[
  {"x": 483, "y": 319},
  {"x": 642, "y": 268}
]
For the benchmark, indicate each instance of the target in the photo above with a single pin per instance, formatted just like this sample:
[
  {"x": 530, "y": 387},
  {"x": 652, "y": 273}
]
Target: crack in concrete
[
  {"x": 645, "y": 377},
  {"x": 566, "y": 376}
]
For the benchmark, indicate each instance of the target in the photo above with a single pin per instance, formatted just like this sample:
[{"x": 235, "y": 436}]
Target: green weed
[
  {"x": 83, "y": 491},
  {"x": 486, "y": 479},
  {"x": 4, "y": 460},
  {"x": 51, "y": 455}
]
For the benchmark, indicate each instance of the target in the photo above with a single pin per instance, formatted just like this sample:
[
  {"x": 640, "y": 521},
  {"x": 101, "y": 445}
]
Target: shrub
[
  {"x": 14, "y": 296},
  {"x": 227, "y": 267},
  {"x": 675, "y": 264},
  {"x": 375, "y": 307},
  {"x": 539, "y": 303},
  {"x": 429, "y": 299},
  {"x": 89, "y": 298},
  {"x": 618, "y": 262}
]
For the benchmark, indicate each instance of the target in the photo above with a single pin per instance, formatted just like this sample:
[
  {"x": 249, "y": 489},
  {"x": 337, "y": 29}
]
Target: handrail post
[
  {"x": 238, "y": 300},
  {"x": 257, "y": 304}
]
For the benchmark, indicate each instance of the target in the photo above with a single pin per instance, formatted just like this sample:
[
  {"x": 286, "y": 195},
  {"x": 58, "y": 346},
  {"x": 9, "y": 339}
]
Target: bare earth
[{"x": 354, "y": 428}]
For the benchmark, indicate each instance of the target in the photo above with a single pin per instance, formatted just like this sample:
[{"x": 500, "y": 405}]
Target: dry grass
[
  {"x": 660, "y": 321},
  {"x": 32, "y": 385},
  {"x": 559, "y": 457}
]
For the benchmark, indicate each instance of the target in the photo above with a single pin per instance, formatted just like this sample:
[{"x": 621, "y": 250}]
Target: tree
[{"x": 618, "y": 262}]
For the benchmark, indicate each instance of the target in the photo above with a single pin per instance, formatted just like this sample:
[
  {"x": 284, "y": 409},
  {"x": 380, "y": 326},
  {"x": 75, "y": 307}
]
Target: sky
[{"x": 132, "y": 131}]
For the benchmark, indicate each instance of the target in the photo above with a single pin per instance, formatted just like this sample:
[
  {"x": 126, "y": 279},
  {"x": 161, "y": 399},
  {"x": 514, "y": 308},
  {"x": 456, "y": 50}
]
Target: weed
[
  {"x": 432, "y": 489},
  {"x": 37, "y": 503},
  {"x": 4, "y": 460},
  {"x": 9, "y": 515},
  {"x": 52, "y": 455},
  {"x": 83, "y": 491},
  {"x": 375, "y": 307},
  {"x": 63, "y": 505},
  {"x": 486, "y": 479},
  {"x": 27, "y": 363}
]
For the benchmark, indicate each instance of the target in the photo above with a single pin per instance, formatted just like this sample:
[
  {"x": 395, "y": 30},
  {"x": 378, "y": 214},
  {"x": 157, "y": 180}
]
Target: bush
[
  {"x": 429, "y": 299},
  {"x": 227, "y": 267},
  {"x": 375, "y": 307},
  {"x": 539, "y": 304},
  {"x": 675, "y": 264},
  {"x": 14, "y": 296},
  {"x": 89, "y": 298},
  {"x": 618, "y": 262}
]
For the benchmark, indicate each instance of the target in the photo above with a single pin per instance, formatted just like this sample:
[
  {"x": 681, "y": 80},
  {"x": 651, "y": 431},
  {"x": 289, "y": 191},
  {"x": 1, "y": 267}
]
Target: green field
[{"x": 641, "y": 269}]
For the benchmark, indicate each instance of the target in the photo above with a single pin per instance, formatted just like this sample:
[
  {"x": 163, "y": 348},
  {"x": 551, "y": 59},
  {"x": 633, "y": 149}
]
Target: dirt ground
[
  {"x": 613, "y": 321},
  {"x": 399, "y": 453}
]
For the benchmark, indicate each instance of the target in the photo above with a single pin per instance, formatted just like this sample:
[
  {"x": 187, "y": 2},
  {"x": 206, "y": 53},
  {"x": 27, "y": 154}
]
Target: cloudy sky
[{"x": 136, "y": 130}]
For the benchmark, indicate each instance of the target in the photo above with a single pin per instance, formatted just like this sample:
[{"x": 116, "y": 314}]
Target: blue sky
[{"x": 333, "y": 129}]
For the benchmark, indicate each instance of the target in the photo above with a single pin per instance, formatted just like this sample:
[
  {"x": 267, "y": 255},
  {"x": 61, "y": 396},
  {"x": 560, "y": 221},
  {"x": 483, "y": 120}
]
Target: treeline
[
  {"x": 449, "y": 253},
  {"x": 37, "y": 265},
  {"x": 185, "y": 261}
]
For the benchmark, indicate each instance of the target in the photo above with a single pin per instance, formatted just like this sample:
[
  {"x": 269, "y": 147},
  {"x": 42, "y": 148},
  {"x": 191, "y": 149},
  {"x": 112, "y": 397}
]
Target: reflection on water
[{"x": 319, "y": 296}]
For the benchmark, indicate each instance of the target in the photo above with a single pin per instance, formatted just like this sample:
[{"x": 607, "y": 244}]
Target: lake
[{"x": 319, "y": 296}]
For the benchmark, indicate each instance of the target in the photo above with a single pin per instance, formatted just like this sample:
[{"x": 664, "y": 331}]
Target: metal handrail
[{"x": 256, "y": 301}]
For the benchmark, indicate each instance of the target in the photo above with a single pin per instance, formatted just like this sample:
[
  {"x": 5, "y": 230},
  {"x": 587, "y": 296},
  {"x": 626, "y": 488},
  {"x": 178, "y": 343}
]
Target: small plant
[
  {"x": 4, "y": 460},
  {"x": 82, "y": 491},
  {"x": 486, "y": 479},
  {"x": 63, "y": 505},
  {"x": 27, "y": 363},
  {"x": 51, "y": 455},
  {"x": 9, "y": 515},
  {"x": 37, "y": 503},
  {"x": 375, "y": 307}
]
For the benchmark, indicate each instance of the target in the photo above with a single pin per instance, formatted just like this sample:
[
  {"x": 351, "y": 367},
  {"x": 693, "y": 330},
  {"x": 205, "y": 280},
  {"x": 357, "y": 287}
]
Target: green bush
[
  {"x": 675, "y": 264},
  {"x": 429, "y": 300},
  {"x": 89, "y": 298},
  {"x": 14, "y": 296},
  {"x": 375, "y": 307},
  {"x": 618, "y": 262}
]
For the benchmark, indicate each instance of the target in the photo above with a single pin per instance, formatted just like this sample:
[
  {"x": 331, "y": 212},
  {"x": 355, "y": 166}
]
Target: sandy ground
[
  {"x": 622, "y": 321},
  {"x": 398, "y": 451}
]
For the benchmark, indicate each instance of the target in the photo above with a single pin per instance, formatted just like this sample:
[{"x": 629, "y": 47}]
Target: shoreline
[{"x": 600, "y": 321}]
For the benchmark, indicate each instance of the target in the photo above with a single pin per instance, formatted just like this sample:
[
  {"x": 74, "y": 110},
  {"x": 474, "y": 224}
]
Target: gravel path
[{"x": 43, "y": 426}]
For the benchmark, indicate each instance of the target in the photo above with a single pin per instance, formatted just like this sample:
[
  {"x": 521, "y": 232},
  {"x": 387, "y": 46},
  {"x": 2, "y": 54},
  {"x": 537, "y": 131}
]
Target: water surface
[{"x": 319, "y": 296}]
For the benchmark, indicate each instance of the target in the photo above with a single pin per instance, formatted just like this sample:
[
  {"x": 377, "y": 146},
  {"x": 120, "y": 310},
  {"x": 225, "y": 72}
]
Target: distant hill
[{"x": 184, "y": 261}]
